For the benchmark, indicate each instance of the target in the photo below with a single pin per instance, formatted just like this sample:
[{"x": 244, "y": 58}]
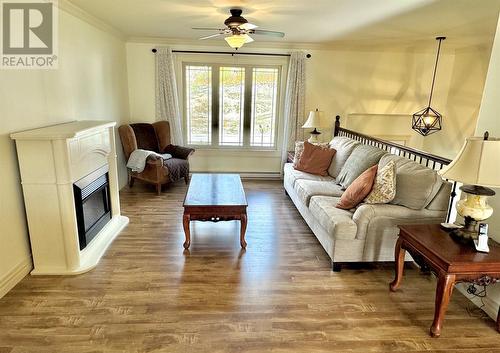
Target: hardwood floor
[{"x": 280, "y": 295}]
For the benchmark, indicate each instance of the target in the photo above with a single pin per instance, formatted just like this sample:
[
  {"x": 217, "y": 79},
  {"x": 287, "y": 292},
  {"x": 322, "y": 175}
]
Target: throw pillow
[
  {"x": 384, "y": 188},
  {"x": 361, "y": 158},
  {"x": 315, "y": 159},
  {"x": 299, "y": 148},
  {"x": 358, "y": 189}
]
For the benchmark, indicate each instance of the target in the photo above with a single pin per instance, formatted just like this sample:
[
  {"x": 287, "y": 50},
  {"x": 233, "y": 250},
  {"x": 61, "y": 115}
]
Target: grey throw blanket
[{"x": 177, "y": 168}]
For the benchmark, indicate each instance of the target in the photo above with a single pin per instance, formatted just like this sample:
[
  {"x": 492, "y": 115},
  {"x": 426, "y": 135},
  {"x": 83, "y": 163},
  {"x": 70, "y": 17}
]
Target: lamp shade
[
  {"x": 476, "y": 163},
  {"x": 315, "y": 120}
]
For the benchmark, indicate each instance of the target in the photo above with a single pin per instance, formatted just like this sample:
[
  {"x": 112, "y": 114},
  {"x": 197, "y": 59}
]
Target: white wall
[
  {"x": 349, "y": 82},
  {"x": 462, "y": 104},
  {"x": 382, "y": 83},
  {"x": 90, "y": 84},
  {"x": 489, "y": 120}
]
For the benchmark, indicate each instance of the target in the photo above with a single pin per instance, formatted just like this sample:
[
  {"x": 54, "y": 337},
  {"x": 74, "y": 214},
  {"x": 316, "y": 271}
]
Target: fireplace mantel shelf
[
  {"x": 51, "y": 159},
  {"x": 67, "y": 130}
]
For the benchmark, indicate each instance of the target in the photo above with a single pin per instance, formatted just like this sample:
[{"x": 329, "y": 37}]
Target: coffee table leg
[
  {"x": 443, "y": 295},
  {"x": 399, "y": 257},
  {"x": 243, "y": 229},
  {"x": 185, "y": 222}
]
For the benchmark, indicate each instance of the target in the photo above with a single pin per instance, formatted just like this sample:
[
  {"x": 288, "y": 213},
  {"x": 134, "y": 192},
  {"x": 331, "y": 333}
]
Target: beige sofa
[{"x": 367, "y": 233}]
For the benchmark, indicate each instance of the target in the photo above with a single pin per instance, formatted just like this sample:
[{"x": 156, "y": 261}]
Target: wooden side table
[{"x": 451, "y": 261}]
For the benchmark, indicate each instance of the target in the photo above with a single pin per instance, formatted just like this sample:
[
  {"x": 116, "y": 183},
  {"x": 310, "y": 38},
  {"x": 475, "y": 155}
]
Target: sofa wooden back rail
[{"x": 427, "y": 159}]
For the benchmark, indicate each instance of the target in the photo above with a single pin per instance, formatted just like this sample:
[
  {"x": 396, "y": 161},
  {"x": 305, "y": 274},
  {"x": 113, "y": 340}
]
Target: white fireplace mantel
[{"x": 51, "y": 159}]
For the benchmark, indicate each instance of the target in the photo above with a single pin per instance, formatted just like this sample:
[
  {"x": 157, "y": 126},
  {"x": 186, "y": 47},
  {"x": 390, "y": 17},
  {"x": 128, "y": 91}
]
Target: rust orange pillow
[
  {"x": 358, "y": 190},
  {"x": 315, "y": 159}
]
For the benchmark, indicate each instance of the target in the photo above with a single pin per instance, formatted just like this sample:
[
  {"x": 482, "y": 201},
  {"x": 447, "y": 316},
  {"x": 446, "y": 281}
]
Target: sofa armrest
[{"x": 392, "y": 215}]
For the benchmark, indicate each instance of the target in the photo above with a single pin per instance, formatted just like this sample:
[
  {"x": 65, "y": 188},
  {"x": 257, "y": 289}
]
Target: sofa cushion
[
  {"x": 359, "y": 189},
  {"x": 308, "y": 188},
  {"x": 416, "y": 185},
  {"x": 361, "y": 158},
  {"x": 343, "y": 146},
  {"x": 441, "y": 202},
  {"x": 315, "y": 159},
  {"x": 291, "y": 175},
  {"x": 336, "y": 222}
]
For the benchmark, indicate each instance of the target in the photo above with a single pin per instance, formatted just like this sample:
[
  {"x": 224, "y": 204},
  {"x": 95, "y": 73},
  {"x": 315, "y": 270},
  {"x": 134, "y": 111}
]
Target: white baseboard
[
  {"x": 15, "y": 275},
  {"x": 261, "y": 176},
  {"x": 248, "y": 175}
]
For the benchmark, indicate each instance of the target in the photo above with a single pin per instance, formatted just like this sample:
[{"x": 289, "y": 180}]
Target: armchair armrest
[
  {"x": 154, "y": 160},
  {"x": 179, "y": 151}
]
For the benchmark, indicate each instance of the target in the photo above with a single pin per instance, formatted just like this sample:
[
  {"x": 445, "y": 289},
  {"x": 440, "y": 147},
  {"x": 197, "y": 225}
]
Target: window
[
  {"x": 199, "y": 104},
  {"x": 231, "y": 105},
  {"x": 264, "y": 98}
]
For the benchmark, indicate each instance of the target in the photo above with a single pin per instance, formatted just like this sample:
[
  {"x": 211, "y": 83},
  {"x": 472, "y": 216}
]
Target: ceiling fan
[{"x": 238, "y": 30}]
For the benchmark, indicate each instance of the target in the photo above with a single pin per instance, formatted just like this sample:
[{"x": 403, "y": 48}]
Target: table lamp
[
  {"x": 476, "y": 166},
  {"x": 314, "y": 121}
]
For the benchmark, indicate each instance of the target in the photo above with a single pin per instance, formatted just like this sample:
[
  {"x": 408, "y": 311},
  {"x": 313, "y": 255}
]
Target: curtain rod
[{"x": 154, "y": 50}]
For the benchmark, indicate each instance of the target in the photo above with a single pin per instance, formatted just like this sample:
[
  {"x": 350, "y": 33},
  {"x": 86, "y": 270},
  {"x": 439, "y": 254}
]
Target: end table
[{"x": 452, "y": 262}]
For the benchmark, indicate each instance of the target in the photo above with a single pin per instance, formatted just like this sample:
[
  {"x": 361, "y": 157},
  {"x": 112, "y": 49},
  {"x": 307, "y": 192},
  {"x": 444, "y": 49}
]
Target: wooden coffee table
[
  {"x": 450, "y": 260},
  {"x": 215, "y": 198}
]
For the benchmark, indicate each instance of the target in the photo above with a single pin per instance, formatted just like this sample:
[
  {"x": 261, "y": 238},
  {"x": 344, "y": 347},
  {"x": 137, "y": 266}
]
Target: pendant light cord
[{"x": 435, "y": 68}]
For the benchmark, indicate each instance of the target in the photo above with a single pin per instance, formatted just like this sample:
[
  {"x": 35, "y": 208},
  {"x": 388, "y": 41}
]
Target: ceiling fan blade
[
  {"x": 210, "y": 36},
  {"x": 247, "y": 26},
  {"x": 268, "y": 33},
  {"x": 207, "y": 29},
  {"x": 248, "y": 39}
]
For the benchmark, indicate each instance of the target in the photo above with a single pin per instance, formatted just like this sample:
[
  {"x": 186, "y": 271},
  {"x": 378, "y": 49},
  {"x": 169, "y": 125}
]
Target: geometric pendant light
[{"x": 428, "y": 121}]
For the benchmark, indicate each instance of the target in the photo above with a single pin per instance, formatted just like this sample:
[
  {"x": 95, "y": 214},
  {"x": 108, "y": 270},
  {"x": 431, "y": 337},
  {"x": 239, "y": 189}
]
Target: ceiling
[{"x": 316, "y": 22}]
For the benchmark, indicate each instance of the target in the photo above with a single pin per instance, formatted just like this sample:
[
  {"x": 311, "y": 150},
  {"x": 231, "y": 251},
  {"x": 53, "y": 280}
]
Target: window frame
[{"x": 216, "y": 62}]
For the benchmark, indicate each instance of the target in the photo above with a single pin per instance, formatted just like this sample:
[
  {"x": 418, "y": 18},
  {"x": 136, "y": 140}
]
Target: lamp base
[
  {"x": 314, "y": 136},
  {"x": 468, "y": 233},
  {"x": 473, "y": 208}
]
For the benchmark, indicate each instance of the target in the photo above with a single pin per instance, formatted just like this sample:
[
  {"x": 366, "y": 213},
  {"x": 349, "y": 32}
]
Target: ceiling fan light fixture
[
  {"x": 248, "y": 39},
  {"x": 236, "y": 41},
  {"x": 247, "y": 26}
]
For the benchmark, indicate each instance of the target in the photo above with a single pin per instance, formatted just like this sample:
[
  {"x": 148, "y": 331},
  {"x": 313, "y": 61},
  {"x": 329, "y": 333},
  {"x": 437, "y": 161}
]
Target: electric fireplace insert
[{"x": 92, "y": 204}]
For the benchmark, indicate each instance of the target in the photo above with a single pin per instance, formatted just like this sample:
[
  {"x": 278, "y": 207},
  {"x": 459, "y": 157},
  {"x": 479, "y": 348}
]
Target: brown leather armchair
[{"x": 155, "y": 137}]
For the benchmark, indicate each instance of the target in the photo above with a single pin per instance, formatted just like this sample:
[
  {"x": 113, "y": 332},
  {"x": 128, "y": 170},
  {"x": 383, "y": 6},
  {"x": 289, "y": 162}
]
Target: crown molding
[{"x": 72, "y": 9}]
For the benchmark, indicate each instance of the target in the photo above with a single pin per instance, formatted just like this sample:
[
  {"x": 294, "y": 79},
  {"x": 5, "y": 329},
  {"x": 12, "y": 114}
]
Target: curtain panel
[
  {"x": 294, "y": 100},
  {"x": 167, "y": 99}
]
